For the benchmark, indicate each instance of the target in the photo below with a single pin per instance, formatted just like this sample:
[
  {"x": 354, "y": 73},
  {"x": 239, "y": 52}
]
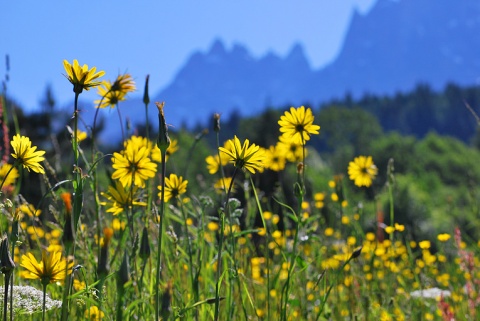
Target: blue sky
[{"x": 155, "y": 37}]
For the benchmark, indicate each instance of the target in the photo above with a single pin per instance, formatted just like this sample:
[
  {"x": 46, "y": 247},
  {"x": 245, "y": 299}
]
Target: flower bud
[
  {"x": 144, "y": 245},
  {"x": 216, "y": 122},
  {"x": 6, "y": 263},
  {"x": 146, "y": 97},
  {"x": 163, "y": 141}
]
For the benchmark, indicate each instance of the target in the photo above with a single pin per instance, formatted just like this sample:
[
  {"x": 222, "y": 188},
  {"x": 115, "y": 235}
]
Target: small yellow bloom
[
  {"x": 94, "y": 314},
  {"x": 399, "y": 227},
  {"x": 246, "y": 156},
  {"x": 120, "y": 198},
  {"x": 27, "y": 155},
  {"x": 174, "y": 187},
  {"x": 133, "y": 165},
  {"x": 275, "y": 158},
  {"x": 297, "y": 124},
  {"x": 267, "y": 215},
  {"x": 81, "y": 77},
  {"x": 329, "y": 231},
  {"x": 50, "y": 269},
  {"x": 443, "y": 237},
  {"x": 222, "y": 185},
  {"x": 213, "y": 226},
  {"x": 424, "y": 245},
  {"x": 12, "y": 174},
  {"x": 362, "y": 171},
  {"x": 389, "y": 229},
  {"x": 30, "y": 210},
  {"x": 292, "y": 150}
]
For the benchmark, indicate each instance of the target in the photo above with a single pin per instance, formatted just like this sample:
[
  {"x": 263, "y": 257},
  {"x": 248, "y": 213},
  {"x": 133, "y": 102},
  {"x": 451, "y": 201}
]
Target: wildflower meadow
[{"x": 249, "y": 232}]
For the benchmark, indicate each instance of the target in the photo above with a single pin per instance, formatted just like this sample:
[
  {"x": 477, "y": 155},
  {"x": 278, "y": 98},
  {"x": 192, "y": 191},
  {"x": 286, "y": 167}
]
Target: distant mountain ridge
[{"x": 393, "y": 47}]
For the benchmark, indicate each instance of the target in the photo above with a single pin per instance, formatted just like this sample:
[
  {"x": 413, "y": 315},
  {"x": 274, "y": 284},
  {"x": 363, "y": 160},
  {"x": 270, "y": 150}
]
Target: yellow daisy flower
[
  {"x": 109, "y": 97},
  {"x": 223, "y": 184},
  {"x": 443, "y": 237},
  {"x": 275, "y": 158},
  {"x": 246, "y": 156},
  {"x": 119, "y": 198},
  {"x": 27, "y": 155},
  {"x": 362, "y": 171},
  {"x": 94, "y": 314},
  {"x": 50, "y": 269},
  {"x": 30, "y": 210},
  {"x": 172, "y": 148},
  {"x": 133, "y": 165},
  {"x": 298, "y": 124},
  {"x": 81, "y": 77},
  {"x": 293, "y": 151},
  {"x": 8, "y": 174},
  {"x": 124, "y": 83},
  {"x": 174, "y": 187}
]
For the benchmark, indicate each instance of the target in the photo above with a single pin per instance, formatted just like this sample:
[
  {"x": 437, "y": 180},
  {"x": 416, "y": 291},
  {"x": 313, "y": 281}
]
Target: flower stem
[
  {"x": 44, "y": 299},
  {"x": 160, "y": 234},
  {"x": 225, "y": 212}
]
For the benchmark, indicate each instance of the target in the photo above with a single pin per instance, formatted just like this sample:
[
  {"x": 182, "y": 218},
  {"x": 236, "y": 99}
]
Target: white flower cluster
[{"x": 28, "y": 300}]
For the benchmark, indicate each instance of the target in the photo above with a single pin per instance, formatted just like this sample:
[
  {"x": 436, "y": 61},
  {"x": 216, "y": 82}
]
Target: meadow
[{"x": 165, "y": 227}]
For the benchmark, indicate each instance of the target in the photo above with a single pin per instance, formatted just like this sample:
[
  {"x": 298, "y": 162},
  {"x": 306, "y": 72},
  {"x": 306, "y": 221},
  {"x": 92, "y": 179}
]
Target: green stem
[
  {"x": 160, "y": 234},
  {"x": 194, "y": 284},
  {"x": 220, "y": 245},
  {"x": 146, "y": 121},
  {"x": 5, "y": 295},
  {"x": 44, "y": 299}
]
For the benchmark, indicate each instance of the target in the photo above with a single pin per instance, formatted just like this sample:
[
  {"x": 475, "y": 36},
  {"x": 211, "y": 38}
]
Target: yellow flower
[
  {"x": 399, "y": 227},
  {"x": 30, "y": 210},
  {"x": 109, "y": 97},
  {"x": 120, "y": 198},
  {"x": 94, "y": 314},
  {"x": 292, "y": 150},
  {"x": 389, "y": 229},
  {"x": 443, "y": 237},
  {"x": 246, "y": 156},
  {"x": 133, "y": 165},
  {"x": 424, "y": 245},
  {"x": 174, "y": 187},
  {"x": 298, "y": 124},
  {"x": 124, "y": 83},
  {"x": 27, "y": 155},
  {"x": 275, "y": 158},
  {"x": 362, "y": 171},
  {"x": 112, "y": 94},
  {"x": 50, "y": 269},
  {"x": 81, "y": 135},
  {"x": 12, "y": 174},
  {"x": 81, "y": 77},
  {"x": 172, "y": 148},
  {"x": 223, "y": 184}
]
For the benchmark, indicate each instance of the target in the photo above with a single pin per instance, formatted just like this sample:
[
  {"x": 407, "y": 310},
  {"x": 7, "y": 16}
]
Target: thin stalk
[
  {"x": 146, "y": 121},
  {"x": 78, "y": 190},
  {"x": 190, "y": 256},
  {"x": 44, "y": 299},
  {"x": 121, "y": 124},
  {"x": 267, "y": 234},
  {"x": 160, "y": 234},
  {"x": 5, "y": 295},
  {"x": 220, "y": 245}
]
